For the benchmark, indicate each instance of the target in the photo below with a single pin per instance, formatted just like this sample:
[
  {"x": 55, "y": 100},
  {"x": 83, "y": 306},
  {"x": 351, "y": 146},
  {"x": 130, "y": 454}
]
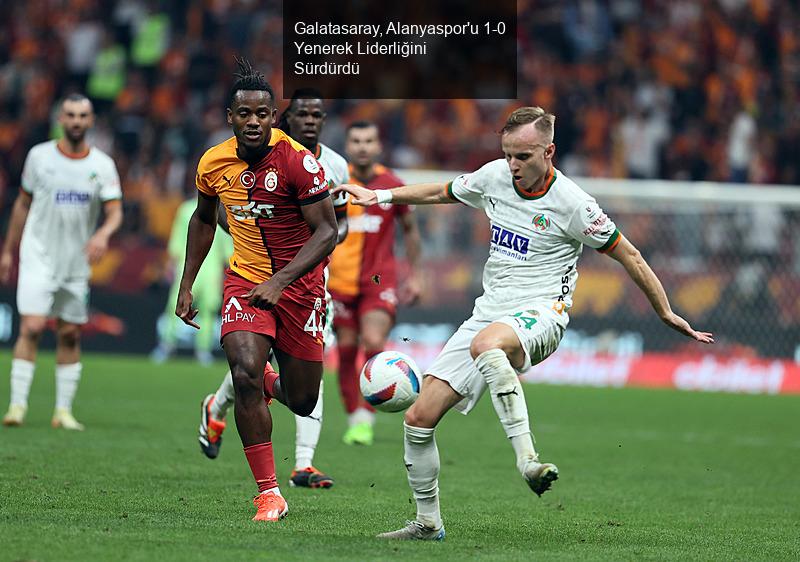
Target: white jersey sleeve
[
  {"x": 109, "y": 181},
  {"x": 589, "y": 225},
  {"x": 471, "y": 189},
  {"x": 336, "y": 172},
  {"x": 31, "y": 176}
]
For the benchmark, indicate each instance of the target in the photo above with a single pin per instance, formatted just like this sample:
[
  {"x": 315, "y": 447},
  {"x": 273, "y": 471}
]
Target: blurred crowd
[{"x": 679, "y": 89}]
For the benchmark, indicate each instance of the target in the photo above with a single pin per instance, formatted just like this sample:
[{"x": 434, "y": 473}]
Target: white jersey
[
  {"x": 67, "y": 197},
  {"x": 336, "y": 172},
  {"x": 536, "y": 240}
]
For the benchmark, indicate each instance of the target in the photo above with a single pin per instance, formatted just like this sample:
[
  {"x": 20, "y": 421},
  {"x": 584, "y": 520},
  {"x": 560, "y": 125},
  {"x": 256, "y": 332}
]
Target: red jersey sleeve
[{"x": 307, "y": 178}]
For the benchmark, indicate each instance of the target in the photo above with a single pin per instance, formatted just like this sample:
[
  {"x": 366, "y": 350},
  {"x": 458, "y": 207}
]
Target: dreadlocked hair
[
  {"x": 248, "y": 78},
  {"x": 299, "y": 94}
]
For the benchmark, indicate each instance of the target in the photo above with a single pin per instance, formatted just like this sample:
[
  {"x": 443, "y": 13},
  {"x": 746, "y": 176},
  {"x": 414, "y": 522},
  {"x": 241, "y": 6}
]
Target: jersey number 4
[
  {"x": 315, "y": 324},
  {"x": 528, "y": 321}
]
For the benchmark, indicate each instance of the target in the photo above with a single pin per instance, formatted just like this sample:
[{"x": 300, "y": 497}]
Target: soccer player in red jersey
[
  {"x": 283, "y": 227},
  {"x": 363, "y": 274}
]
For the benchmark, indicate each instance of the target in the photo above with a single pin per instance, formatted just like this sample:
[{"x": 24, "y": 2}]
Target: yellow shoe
[
  {"x": 270, "y": 507},
  {"x": 63, "y": 418},
  {"x": 15, "y": 415},
  {"x": 359, "y": 434}
]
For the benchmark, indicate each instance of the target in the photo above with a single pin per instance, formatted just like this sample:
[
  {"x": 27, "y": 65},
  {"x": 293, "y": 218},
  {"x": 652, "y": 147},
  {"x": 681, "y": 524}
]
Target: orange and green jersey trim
[
  {"x": 448, "y": 189},
  {"x": 611, "y": 243},
  {"x": 550, "y": 179}
]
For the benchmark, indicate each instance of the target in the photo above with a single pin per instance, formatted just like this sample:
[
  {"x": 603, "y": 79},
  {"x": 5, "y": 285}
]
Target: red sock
[
  {"x": 270, "y": 376},
  {"x": 348, "y": 378},
  {"x": 262, "y": 465},
  {"x": 369, "y": 354}
]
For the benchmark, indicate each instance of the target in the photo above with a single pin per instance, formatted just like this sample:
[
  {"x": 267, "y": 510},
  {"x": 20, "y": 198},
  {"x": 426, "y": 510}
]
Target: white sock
[
  {"x": 422, "y": 463},
  {"x": 67, "y": 377},
  {"x": 276, "y": 490},
  {"x": 361, "y": 415},
  {"x": 509, "y": 402},
  {"x": 223, "y": 399},
  {"x": 307, "y": 435},
  {"x": 21, "y": 379}
]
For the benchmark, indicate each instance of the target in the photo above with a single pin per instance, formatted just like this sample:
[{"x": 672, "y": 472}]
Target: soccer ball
[{"x": 390, "y": 381}]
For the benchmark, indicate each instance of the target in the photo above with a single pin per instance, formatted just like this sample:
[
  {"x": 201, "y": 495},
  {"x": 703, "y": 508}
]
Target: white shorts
[
  {"x": 39, "y": 295},
  {"x": 539, "y": 330}
]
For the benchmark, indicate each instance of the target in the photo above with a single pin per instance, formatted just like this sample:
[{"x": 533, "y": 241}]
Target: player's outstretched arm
[
  {"x": 19, "y": 215},
  {"x": 202, "y": 226},
  {"x": 633, "y": 262},
  {"x": 417, "y": 194},
  {"x": 322, "y": 221}
]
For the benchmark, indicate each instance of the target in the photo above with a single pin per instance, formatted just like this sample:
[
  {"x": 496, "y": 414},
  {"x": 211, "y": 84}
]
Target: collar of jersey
[{"x": 536, "y": 194}]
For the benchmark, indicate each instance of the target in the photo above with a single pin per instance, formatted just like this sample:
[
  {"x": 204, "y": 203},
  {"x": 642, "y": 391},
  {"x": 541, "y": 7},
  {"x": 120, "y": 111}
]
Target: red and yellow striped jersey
[{"x": 263, "y": 204}]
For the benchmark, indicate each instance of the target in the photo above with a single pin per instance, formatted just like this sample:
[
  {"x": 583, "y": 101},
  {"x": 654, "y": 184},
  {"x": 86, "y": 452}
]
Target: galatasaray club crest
[
  {"x": 270, "y": 180},
  {"x": 541, "y": 222}
]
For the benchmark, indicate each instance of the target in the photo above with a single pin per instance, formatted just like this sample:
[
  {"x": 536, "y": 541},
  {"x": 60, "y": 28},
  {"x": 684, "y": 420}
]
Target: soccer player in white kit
[
  {"x": 303, "y": 121},
  {"x": 64, "y": 185},
  {"x": 540, "y": 221}
]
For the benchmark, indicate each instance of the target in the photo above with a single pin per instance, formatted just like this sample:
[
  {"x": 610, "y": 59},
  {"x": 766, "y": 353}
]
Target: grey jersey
[
  {"x": 67, "y": 197},
  {"x": 536, "y": 240}
]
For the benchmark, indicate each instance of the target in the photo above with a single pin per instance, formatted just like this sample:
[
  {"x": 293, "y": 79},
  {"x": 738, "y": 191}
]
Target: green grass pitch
[{"x": 644, "y": 475}]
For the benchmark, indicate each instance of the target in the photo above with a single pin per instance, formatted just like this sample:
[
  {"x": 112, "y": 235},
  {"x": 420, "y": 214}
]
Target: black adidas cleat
[
  {"x": 310, "y": 477},
  {"x": 210, "y": 431}
]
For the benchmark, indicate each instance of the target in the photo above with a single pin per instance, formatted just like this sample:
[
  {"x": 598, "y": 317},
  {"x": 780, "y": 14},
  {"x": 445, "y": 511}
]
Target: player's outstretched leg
[
  {"x": 491, "y": 349},
  {"x": 422, "y": 460},
  {"x": 247, "y": 355},
  {"x": 306, "y": 439}
]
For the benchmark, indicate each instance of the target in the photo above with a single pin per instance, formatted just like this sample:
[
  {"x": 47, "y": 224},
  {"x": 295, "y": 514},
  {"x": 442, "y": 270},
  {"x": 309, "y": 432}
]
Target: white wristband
[{"x": 383, "y": 195}]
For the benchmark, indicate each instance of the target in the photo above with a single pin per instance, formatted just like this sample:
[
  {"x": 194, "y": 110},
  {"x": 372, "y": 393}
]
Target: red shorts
[
  {"x": 348, "y": 309},
  {"x": 295, "y": 326}
]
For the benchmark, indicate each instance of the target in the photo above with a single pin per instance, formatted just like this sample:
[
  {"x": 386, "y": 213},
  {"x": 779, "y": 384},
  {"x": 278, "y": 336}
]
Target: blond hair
[{"x": 543, "y": 121}]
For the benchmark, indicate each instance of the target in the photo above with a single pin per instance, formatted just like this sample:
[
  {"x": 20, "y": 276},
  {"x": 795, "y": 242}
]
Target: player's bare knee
[
  {"x": 484, "y": 342},
  {"x": 305, "y": 405},
  {"x": 246, "y": 381},
  {"x": 69, "y": 337},
  {"x": 416, "y": 416},
  {"x": 32, "y": 329},
  {"x": 373, "y": 343}
]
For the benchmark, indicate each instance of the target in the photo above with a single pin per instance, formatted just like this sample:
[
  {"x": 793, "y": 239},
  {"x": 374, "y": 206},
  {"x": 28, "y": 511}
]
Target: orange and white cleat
[
  {"x": 210, "y": 431},
  {"x": 270, "y": 507}
]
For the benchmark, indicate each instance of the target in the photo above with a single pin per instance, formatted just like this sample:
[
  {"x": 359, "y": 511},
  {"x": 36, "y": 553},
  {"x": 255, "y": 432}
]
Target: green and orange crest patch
[{"x": 541, "y": 222}]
